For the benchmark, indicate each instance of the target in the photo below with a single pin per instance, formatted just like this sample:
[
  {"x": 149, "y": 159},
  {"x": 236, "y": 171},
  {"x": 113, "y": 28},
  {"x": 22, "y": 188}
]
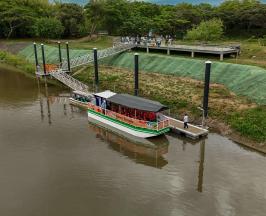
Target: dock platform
[
  {"x": 193, "y": 49},
  {"x": 193, "y": 132}
]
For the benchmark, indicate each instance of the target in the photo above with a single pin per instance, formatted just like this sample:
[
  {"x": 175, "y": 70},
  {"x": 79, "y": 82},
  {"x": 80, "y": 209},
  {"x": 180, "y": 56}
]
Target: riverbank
[
  {"x": 18, "y": 64},
  {"x": 227, "y": 111}
]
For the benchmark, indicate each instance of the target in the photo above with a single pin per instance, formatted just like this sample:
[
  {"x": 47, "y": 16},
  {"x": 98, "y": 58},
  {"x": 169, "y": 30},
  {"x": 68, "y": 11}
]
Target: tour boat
[
  {"x": 130, "y": 114},
  {"x": 80, "y": 99}
]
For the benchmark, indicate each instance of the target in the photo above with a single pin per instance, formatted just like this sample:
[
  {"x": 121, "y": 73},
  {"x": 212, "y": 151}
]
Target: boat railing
[{"x": 158, "y": 125}]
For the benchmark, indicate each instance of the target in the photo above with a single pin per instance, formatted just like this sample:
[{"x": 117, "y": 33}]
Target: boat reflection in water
[{"x": 145, "y": 151}]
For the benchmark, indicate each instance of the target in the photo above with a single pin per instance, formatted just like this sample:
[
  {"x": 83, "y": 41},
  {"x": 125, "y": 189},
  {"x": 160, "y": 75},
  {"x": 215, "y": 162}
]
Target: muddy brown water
[{"x": 54, "y": 163}]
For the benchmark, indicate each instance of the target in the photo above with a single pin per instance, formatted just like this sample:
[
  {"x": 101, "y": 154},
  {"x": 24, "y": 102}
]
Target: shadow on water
[{"x": 145, "y": 151}]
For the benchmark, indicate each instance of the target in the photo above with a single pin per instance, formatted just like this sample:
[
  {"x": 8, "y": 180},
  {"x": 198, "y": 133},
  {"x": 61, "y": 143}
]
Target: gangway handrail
[
  {"x": 69, "y": 80},
  {"x": 86, "y": 59}
]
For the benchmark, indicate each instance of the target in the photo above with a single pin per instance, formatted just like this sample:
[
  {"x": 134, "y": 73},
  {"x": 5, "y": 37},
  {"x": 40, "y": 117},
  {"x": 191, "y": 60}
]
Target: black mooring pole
[
  {"x": 96, "y": 75},
  {"x": 206, "y": 87},
  {"x": 60, "y": 54},
  {"x": 68, "y": 60},
  {"x": 35, "y": 54},
  {"x": 43, "y": 60},
  {"x": 136, "y": 92}
]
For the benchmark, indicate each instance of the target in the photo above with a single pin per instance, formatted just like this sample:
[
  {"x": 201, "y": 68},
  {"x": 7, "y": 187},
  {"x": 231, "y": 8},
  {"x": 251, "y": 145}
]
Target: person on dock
[{"x": 186, "y": 121}]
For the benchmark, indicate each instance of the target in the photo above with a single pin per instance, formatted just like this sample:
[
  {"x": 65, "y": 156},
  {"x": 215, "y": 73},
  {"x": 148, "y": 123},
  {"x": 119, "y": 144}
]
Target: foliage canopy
[{"x": 123, "y": 17}]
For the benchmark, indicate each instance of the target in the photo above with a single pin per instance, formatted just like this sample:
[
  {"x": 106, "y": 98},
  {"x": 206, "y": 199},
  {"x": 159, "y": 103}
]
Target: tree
[
  {"x": 206, "y": 30},
  {"x": 72, "y": 17},
  {"x": 114, "y": 15},
  {"x": 48, "y": 28},
  {"x": 13, "y": 16},
  {"x": 94, "y": 14},
  {"x": 169, "y": 22}
]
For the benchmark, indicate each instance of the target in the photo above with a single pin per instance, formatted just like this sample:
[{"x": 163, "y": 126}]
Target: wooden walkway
[
  {"x": 192, "y": 131},
  {"x": 193, "y": 49}
]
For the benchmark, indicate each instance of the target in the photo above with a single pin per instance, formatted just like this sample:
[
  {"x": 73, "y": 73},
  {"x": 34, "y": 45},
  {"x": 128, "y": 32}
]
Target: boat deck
[{"x": 192, "y": 131}]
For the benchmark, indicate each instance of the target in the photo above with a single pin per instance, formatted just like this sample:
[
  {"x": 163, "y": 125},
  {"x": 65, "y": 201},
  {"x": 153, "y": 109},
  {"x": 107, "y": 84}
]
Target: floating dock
[{"x": 193, "y": 132}]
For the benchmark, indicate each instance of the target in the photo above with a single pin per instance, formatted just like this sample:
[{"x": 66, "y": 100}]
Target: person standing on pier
[{"x": 186, "y": 121}]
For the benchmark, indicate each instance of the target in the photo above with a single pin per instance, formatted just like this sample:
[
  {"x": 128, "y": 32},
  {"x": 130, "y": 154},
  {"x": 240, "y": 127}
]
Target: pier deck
[
  {"x": 215, "y": 50},
  {"x": 192, "y": 131}
]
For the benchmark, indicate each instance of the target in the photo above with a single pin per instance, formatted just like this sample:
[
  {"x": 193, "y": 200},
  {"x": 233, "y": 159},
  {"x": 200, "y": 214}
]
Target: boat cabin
[{"x": 134, "y": 111}]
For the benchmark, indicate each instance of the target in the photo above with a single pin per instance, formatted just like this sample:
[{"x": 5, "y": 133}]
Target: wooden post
[
  {"x": 136, "y": 92},
  {"x": 43, "y": 59},
  {"x": 221, "y": 57},
  {"x": 35, "y": 54},
  {"x": 206, "y": 87},
  {"x": 60, "y": 54},
  {"x": 168, "y": 51},
  {"x": 96, "y": 72},
  {"x": 68, "y": 60},
  {"x": 192, "y": 54}
]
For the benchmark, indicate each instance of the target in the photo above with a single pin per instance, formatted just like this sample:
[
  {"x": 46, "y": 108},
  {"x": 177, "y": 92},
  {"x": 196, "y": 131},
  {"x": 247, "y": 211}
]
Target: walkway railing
[
  {"x": 158, "y": 125},
  {"x": 61, "y": 75},
  {"x": 86, "y": 59},
  {"x": 69, "y": 80}
]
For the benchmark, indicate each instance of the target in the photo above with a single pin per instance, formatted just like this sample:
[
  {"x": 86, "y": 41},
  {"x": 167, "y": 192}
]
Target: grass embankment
[
  {"x": 252, "y": 50},
  {"x": 244, "y": 80},
  {"x": 19, "y": 64},
  {"x": 185, "y": 95},
  {"x": 51, "y": 53},
  {"x": 252, "y": 53},
  {"x": 17, "y": 61}
]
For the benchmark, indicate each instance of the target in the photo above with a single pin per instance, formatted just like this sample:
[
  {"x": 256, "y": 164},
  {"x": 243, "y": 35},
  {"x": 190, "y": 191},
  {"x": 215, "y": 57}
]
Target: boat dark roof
[{"x": 137, "y": 103}]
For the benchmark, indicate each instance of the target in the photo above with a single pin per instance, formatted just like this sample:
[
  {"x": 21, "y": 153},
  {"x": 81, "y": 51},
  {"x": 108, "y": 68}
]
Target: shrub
[
  {"x": 206, "y": 31},
  {"x": 48, "y": 28}
]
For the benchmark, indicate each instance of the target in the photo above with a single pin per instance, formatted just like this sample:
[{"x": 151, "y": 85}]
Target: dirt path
[{"x": 12, "y": 47}]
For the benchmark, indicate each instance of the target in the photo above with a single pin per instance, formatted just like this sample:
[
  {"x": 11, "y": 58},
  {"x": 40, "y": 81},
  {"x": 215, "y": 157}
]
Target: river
[{"x": 53, "y": 162}]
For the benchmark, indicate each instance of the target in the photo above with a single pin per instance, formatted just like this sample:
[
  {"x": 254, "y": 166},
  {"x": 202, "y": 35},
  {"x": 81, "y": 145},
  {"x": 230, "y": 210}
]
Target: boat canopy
[
  {"x": 106, "y": 94},
  {"x": 137, "y": 103}
]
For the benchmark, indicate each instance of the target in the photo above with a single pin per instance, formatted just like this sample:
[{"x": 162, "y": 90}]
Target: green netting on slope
[
  {"x": 244, "y": 80},
  {"x": 51, "y": 53}
]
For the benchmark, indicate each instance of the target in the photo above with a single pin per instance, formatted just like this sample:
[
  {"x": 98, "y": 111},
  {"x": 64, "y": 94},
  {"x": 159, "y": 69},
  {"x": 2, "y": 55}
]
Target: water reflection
[
  {"x": 13, "y": 91},
  {"x": 40, "y": 98},
  {"x": 201, "y": 165},
  {"x": 47, "y": 102},
  {"x": 145, "y": 151},
  {"x": 186, "y": 142}
]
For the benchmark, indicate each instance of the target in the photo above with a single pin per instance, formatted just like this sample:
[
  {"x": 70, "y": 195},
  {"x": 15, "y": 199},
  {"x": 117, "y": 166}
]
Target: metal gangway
[
  {"x": 89, "y": 58},
  {"x": 69, "y": 81},
  {"x": 61, "y": 75}
]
